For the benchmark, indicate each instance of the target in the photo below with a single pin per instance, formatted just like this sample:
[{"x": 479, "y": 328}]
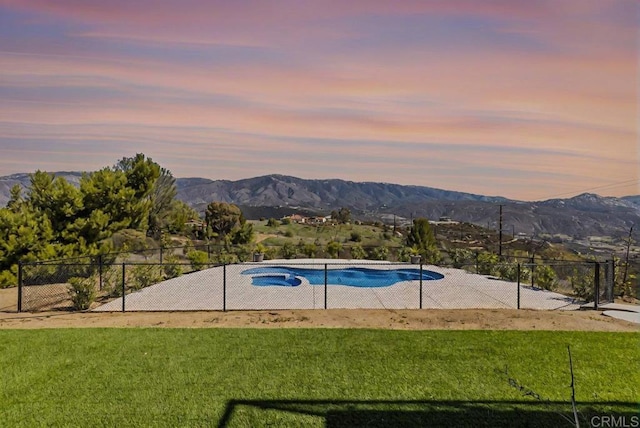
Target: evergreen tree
[
  {"x": 24, "y": 236},
  {"x": 142, "y": 174},
  {"x": 223, "y": 218},
  {"x": 162, "y": 196},
  {"x": 421, "y": 237}
]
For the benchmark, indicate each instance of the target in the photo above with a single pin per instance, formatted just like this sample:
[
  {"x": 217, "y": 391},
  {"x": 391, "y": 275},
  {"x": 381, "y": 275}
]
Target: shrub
[
  {"x": 227, "y": 258},
  {"x": 82, "y": 292},
  {"x": 243, "y": 252},
  {"x": 379, "y": 253},
  {"x": 8, "y": 279},
  {"x": 358, "y": 253},
  {"x": 289, "y": 234},
  {"x": 172, "y": 267},
  {"x": 545, "y": 277},
  {"x": 272, "y": 222},
  {"x": 288, "y": 250},
  {"x": 404, "y": 254},
  {"x": 310, "y": 250},
  {"x": 582, "y": 285},
  {"x": 198, "y": 259},
  {"x": 486, "y": 263},
  {"x": 333, "y": 248},
  {"x": 112, "y": 280},
  {"x": 145, "y": 275},
  {"x": 356, "y": 237},
  {"x": 130, "y": 240},
  {"x": 460, "y": 257}
]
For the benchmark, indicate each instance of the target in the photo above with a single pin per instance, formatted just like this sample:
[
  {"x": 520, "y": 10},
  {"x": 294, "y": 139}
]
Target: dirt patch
[
  {"x": 262, "y": 236},
  {"x": 8, "y": 299},
  {"x": 410, "y": 319},
  {"x": 406, "y": 319}
]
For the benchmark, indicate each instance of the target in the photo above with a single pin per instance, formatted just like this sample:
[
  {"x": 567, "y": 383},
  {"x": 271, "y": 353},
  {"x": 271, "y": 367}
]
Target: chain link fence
[{"x": 309, "y": 284}]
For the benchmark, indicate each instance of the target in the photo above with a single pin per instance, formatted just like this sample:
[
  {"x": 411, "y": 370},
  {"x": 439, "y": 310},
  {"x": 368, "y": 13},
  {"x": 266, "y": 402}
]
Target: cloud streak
[{"x": 521, "y": 99}]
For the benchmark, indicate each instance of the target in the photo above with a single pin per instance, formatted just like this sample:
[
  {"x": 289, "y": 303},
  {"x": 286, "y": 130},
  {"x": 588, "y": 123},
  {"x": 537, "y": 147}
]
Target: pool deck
[{"x": 458, "y": 289}]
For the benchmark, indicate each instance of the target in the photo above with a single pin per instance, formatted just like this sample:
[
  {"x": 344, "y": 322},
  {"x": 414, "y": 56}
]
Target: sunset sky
[{"x": 524, "y": 99}]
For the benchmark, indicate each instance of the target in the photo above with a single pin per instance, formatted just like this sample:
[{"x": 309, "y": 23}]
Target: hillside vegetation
[{"x": 133, "y": 207}]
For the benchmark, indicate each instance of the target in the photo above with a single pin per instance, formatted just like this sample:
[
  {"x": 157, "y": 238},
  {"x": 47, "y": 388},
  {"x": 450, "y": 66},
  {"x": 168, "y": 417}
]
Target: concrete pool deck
[{"x": 204, "y": 290}]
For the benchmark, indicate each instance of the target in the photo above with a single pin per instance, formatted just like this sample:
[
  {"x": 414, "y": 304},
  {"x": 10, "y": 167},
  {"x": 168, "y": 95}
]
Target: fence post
[
  {"x": 160, "y": 254},
  {"x": 100, "y": 269},
  {"x": 533, "y": 271},
  {"x": 611, "y": 281},
  {"x": 123, "y": 286},
  {"x": 224, "y": 287},
  {"x": 518, "y": 301},
  {"x": 325, "y": 285},
  {"x": 19, "y": 286},
  {"x": 596, "y": 285},
  {"x": 420, "y": 283}
]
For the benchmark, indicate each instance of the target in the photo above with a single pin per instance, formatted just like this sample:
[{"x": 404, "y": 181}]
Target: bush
[
  {"x": 379, "y": 253},
  {"x": 509, "y": 272},
  {"x": 272, "y": 222},
  {"x": 486, "y": 263},
  {"x": 227, "y": 258},
  {"x": 172, "y": 267},
  {"x": 545, "y": 277},
  {"x": 404, "y": 254},
  {"x": 198, "y": 259},
  {"x": 582, "y": 285},
  {"x": 82, "y": 292},
  {"x": 333, "y": 248},
  {"x": 243, "y": 252},
  {"x": 131, "y": 240},
  {"x": 356, "y": 237},
  {"x": 8, "y": 279},
  {"x": 145, "y": 275},
  {"x": 461, "y": 257},
  {"x": 358, "y": 253},
  {"x": 112, "y": 280},
  {"x": 310, "y": 250},
  {"x": 288, "y": 250}
]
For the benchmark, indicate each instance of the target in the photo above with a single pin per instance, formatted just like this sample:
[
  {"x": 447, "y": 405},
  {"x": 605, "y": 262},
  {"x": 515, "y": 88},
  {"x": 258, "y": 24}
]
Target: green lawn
[{"x": 315, "y": 377}]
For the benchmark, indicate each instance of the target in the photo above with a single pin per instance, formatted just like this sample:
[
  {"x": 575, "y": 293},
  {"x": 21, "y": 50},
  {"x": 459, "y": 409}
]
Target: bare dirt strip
[{"x": 403, "y": 319}]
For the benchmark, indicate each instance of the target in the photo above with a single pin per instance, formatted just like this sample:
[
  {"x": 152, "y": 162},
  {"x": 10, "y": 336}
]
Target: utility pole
[
  {"x": 626, "y": 258},
  {"x": 500, "y": 234}
]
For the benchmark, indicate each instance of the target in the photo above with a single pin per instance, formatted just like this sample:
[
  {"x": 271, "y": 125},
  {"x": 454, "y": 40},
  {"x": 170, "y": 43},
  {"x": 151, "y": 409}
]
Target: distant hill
[
  {"x": 269, "y": 196},
  {"x": 23, "y": 180}
]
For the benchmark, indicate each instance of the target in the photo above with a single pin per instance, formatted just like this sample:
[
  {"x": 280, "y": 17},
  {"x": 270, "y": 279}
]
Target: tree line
[{"x": 54, "y": 219}]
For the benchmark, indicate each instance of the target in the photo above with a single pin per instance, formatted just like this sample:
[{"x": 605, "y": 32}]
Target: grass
[{"x": 319, "y": 377}]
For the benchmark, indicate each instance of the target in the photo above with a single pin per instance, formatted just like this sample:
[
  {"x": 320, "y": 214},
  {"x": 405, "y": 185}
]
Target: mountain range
[{"x": 579, "y": 217}]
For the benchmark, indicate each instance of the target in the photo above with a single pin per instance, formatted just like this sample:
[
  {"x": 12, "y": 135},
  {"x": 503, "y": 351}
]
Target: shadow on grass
[{"x": 427, "y": 413}]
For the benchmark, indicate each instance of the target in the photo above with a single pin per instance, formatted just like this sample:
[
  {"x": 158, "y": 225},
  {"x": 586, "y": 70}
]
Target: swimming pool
[{"x": 287, "y": 276}]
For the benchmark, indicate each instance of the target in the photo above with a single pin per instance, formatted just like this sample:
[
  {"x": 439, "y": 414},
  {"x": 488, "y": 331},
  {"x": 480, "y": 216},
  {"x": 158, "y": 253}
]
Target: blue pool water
[{"x": 287, "y": 276}]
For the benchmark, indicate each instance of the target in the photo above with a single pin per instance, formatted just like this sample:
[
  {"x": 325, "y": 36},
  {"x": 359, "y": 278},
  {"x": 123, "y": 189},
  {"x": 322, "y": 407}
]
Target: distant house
[
  {"x": 196, "y": 224},
  {"x": 319, "y": 220},
  {"x": 300, "y": 219},
  {"x": 296, "y": 218}
]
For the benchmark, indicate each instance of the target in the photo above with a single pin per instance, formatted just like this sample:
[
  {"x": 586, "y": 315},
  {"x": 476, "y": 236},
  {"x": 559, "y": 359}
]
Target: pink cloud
[{"x": 570, "y": 92}]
